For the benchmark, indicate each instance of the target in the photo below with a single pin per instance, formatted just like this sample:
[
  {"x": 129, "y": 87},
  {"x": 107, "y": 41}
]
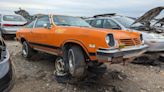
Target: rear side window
[
  {"x": 13, "y": 18},
  {"x": 110, "y": 24},
  {"x": 41, "y": 21},
  {"x": 30, "y": 25},
  {"x": 97, "y": 23}
]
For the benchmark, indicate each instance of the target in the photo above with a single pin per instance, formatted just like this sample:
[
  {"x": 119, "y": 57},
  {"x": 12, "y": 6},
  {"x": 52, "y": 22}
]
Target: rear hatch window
[{"x": 13, "y": 18}]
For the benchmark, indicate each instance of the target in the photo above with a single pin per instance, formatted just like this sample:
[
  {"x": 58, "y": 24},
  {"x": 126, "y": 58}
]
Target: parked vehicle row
[{"x": 107, "y": 38}]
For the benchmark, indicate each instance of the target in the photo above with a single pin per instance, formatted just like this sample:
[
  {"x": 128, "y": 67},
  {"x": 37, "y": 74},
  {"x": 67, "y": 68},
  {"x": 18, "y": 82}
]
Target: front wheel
[{"x": 76, "y": 60}]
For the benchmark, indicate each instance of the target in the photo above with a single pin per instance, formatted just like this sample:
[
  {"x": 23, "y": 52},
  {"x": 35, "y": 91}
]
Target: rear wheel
[{"x": 27, "y": 51}]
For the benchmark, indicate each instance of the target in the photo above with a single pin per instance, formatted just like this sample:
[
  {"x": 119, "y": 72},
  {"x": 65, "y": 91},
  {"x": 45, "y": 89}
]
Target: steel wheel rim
[
  {"x": 59, "y": 65},
  {"x": 71, "y": 59}
]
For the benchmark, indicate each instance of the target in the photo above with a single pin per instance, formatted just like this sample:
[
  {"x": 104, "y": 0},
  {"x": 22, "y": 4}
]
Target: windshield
[
  {"x": 69, "y": 21},
  {"x": 13, "y": 18},
  {"x": 127, "y": 22}
]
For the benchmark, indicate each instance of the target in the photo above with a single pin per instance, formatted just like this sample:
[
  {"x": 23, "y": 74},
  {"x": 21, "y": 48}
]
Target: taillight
[{"x": 8, "y": 25}]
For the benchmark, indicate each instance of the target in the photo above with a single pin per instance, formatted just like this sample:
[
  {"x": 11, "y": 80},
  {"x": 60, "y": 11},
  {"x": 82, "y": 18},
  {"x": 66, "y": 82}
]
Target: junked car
[
  {"x": 6, "y": 69},
  {"x": 10, "y": 23},
  {"x": 154, "y": 39},
  {"x": 77, "y": 44}
]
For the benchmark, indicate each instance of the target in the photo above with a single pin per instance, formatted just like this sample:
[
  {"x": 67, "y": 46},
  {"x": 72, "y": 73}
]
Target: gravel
[{"x": 36, "y": 75}]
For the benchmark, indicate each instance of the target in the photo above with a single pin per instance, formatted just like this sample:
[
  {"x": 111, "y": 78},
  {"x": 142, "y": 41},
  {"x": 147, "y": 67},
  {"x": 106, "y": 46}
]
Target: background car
[
  {"x": 10, "y": 23},
  {"x": 114, "y": 21},
  {"x": 6, "y": 68}
]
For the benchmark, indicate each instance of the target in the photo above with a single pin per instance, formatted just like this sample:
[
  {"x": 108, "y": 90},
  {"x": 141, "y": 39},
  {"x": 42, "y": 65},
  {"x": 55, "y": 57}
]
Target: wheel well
[
  {"x": 22, "y": 40},
  {"x": 69, "y": 44}
]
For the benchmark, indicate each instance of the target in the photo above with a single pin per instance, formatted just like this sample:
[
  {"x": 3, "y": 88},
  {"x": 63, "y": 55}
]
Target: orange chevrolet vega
[{"x": 77, "y": 44}]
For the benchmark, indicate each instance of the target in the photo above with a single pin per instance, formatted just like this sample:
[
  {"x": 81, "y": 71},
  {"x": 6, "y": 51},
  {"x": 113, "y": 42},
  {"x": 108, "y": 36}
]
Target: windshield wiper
[{"x": 84, "y": 26}]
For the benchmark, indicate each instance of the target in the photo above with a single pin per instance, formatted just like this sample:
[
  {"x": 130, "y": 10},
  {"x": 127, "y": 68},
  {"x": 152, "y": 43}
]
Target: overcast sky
[{"x": 82, "y": 7}]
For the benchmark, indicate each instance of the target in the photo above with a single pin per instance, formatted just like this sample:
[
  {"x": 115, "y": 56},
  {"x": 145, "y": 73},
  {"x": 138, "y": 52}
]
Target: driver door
[{"x": 42, "y": 31}]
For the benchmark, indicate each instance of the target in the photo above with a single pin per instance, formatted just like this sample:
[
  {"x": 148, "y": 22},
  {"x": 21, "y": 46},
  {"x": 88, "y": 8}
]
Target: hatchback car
[
  {"x": 10, "y": 23},
  {"x": 114, "y": 21},
  {"x": 78, "y": 45}
]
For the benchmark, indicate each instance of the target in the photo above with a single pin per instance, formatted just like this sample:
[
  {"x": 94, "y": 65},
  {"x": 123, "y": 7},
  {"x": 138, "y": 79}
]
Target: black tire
[
  {"x": 76, "y": 62},
  {"x": 27, "y": 51}
]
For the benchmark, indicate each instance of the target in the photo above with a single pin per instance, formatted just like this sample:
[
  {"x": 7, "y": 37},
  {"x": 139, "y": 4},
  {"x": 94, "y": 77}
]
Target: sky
[{"x": 133, "y": 8}]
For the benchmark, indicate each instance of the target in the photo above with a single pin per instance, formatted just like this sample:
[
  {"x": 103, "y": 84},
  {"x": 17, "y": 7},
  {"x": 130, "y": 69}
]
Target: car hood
[
  {"x": 118, "y": 34},
  {"x": 148, "y": 16},
  {"x": 161, "y": 21}
]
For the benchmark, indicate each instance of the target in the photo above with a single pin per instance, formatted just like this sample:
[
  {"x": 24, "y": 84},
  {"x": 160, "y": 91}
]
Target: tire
[
  {"x": 27, "y": 51},
  {"x": 76, "y": 62}
]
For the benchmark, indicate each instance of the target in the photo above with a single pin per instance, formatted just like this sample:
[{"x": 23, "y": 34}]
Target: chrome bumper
[{"x": 125, "y": 53}]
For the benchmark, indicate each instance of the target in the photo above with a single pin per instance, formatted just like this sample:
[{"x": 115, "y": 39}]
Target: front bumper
[{"x": 115, "y": 55}]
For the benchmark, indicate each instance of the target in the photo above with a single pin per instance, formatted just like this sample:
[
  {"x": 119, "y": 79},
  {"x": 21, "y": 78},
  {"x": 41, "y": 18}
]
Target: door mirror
[{"x": 47, "y": 26}]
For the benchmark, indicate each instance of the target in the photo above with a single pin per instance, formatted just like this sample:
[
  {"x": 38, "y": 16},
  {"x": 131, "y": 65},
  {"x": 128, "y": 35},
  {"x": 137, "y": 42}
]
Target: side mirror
[{"x": 47, "y": 26}]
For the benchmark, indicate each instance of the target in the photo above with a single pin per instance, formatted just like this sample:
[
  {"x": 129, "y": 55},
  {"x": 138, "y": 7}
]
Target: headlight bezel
[{"x": 109, "y": 39}]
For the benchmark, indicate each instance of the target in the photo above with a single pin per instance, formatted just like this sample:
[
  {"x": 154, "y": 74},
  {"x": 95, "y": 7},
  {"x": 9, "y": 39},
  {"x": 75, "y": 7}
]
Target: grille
[
  {"x": 137, "y": 41},
  {"x": 127, "y": 42},
  {"x": 130, "y": 42}
]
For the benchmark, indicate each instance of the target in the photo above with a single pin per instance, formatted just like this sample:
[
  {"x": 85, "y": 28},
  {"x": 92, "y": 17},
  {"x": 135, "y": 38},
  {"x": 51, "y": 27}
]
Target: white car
[
  {"x": 10, "y": 23},
  {"x": 113, "y": 21}
]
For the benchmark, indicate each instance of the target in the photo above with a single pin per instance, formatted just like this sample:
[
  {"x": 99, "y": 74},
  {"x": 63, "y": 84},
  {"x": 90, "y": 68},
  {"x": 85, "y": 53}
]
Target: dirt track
[{"x": 36, "y": 75}]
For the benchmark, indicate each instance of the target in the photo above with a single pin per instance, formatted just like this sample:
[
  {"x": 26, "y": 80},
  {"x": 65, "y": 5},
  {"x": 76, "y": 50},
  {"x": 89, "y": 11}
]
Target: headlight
[
  {"x": 141, "y": 37},
  {"x": 110, "y": 40},
  {"x": 156, "y": 36}
]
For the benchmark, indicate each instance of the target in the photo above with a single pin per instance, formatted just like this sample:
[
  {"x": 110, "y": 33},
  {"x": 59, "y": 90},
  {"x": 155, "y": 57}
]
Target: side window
[
  {"x": 41, "y": 21},
  {"x": 30, "y": 25},
  {"x": 110, "y": 24},
  {"x": 97, "y": 23},
  {"x": 89, "y": 21}
]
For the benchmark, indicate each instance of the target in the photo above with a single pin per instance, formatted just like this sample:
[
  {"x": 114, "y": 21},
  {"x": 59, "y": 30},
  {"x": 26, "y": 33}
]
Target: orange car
[{"x": 77, "y": 44}]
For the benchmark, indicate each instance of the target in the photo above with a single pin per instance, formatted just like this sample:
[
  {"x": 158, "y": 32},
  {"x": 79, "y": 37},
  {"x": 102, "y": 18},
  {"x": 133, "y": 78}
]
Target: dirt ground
[{"x": 36, "y": 75}]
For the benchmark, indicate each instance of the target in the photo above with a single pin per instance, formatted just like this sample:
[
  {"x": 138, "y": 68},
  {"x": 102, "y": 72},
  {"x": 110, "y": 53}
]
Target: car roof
[{"x": 106, "y": 17}]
